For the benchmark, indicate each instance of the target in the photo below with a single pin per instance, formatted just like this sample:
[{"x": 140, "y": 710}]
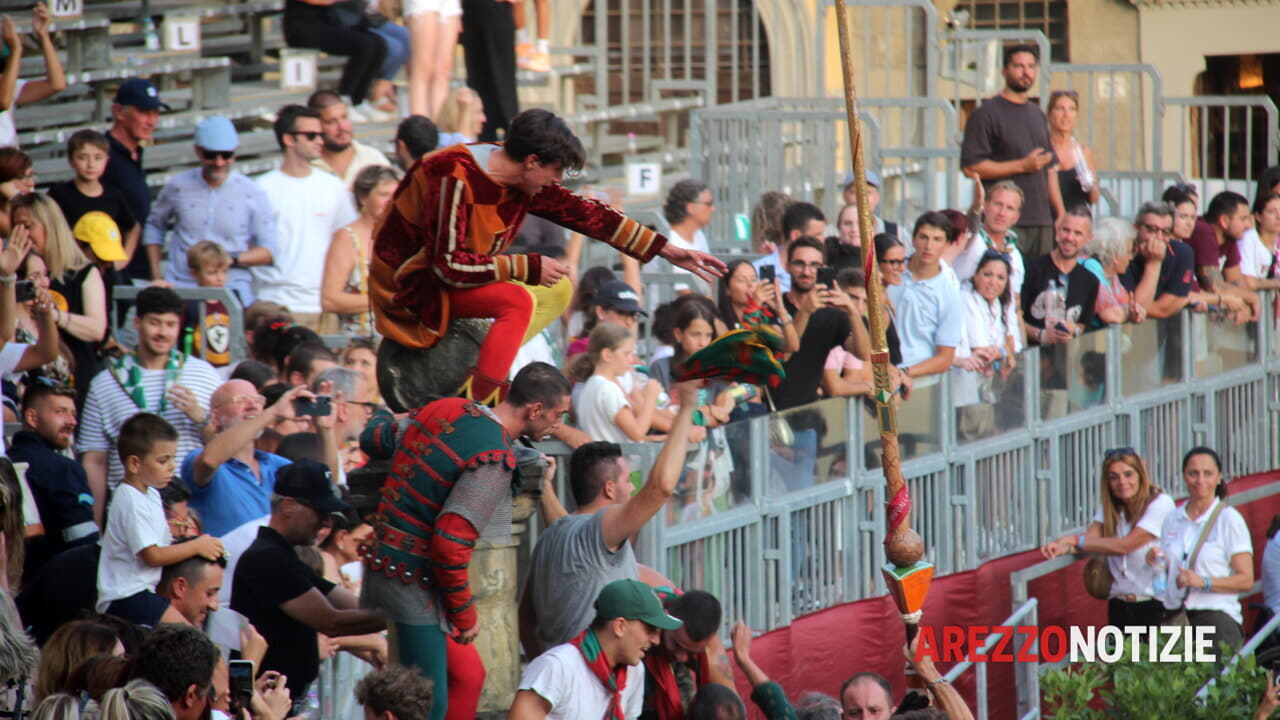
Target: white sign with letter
[
  {"x": 182, "y": 34},
  {"x": 297, "y": 70},
  {"x": 66, "y": 9},
  {"x": 644, "y": 178}
]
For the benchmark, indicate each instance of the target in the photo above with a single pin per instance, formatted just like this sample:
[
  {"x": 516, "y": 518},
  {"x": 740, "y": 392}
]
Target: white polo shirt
[
  {"x": 1229, "y": 536},
  {"x": 1131, "y": 574}
]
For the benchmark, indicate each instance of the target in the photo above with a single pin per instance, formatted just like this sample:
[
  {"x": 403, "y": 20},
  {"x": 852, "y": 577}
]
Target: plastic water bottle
[
  {"x": 152, "y": 38},
  {"x": 1160, "y": 583},
  {"x": 1083, "y": 173}
]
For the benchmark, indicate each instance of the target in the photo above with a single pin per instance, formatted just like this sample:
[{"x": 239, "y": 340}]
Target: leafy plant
[{"x": 1143, "y": 690}]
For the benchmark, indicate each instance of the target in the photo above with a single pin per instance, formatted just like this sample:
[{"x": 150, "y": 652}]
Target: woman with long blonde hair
[
  {"x": 1123, "y": 529},
  {"x": 79, "y": 292}
]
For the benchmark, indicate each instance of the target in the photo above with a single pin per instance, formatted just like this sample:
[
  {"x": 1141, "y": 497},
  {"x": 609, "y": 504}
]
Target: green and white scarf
[{"x": 128, "y": 373}]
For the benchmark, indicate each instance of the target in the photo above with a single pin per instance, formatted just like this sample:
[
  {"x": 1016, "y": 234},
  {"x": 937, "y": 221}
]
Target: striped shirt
[{"x": 107, "y": 408}]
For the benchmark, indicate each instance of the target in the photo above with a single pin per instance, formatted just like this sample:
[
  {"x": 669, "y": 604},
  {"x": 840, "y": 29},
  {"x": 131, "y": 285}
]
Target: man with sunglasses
[
  {"x": 284, "y": 598},
  {"x": 212, "y": 202},
  {"x": 310, "y": 206},
  {"x": 231, "y": 481}
]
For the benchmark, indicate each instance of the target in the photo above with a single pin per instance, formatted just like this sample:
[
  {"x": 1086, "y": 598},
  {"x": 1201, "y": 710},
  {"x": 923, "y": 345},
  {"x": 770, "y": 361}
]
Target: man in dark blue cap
[
  {"x": 135, "y": 112},
  {"x": 284, "y": 598}
]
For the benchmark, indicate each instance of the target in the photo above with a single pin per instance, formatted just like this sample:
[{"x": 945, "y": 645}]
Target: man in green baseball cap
[{"x": 598, "y": 673}]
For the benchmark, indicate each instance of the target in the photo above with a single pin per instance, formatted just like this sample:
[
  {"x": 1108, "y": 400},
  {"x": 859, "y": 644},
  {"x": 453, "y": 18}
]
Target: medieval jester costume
[{"x": 438, "y": 256}]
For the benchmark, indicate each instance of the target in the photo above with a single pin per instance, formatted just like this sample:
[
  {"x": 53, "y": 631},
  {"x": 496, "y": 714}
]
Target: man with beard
[
  {"x": 310, "y": 207},
  {"x": 57, "y": 482},
  {"x": 450, "y": 485},
  {"x": 342, "y": 155},
  {"x": 1059, "y": 294},
  {"x": 156, "y": 378},
  {"x": 231, "y": 482},
  {"x": 1008, "y": 137},
  {"x": 1216, "y": 242},
  {"x": 216, "y": 203},
  {"x": 284, "y": 598}
]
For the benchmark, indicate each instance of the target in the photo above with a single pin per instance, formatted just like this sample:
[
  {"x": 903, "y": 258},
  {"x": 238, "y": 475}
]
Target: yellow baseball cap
[{"x": 102, "y": 235}]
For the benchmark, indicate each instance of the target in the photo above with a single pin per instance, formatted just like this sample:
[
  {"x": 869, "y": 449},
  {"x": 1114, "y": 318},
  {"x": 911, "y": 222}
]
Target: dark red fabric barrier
[{"x": 818, "y": 651}]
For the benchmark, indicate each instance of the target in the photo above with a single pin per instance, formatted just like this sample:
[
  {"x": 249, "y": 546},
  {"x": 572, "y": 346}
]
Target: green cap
[{"x": 633, "y": 600}]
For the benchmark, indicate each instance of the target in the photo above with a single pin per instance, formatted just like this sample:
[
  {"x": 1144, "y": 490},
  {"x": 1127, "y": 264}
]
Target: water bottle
[
  {"x": 152, "y": 38},
  {"x": 1083, "y": 173},
  {"x": 1160, "y": 583}
]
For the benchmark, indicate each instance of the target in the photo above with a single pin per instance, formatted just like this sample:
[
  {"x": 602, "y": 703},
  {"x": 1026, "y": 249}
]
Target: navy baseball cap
[
  {"x": 140, "y": 93},
  {"x": 618, "y": 295}
]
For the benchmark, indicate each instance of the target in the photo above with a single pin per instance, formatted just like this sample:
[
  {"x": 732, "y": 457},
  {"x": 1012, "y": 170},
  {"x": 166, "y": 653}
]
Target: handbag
[
  {"x": 1097, "y": 577},
  {"x": 1178, "y": 618}
]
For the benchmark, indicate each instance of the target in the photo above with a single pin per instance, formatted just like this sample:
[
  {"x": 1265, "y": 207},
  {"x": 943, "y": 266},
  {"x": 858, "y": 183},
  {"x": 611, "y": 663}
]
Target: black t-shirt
[
  {"x": 1043, "y": 277},
  {"x": 75, "y": 204},
  {"x": 268, "y": 575},
  {"x": 1002, "y": 130},
  {"x": 63, "y": 589},
  {"x": 126, "y": 175},
  {"x": 1177, "y": 271},
  {"x": 827, "y": 328}
]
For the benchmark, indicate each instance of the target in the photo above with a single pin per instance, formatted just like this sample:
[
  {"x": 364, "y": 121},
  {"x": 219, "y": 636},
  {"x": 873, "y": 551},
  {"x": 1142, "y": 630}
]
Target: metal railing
[
  {"x": 237, "y": 342},
  {"x": 1024, "y": 612},
  {"x": 783, "y": 514}
]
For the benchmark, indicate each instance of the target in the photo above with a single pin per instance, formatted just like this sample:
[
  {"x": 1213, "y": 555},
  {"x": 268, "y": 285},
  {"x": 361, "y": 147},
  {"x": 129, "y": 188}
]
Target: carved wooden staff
[{"x": 907, "y": 578}]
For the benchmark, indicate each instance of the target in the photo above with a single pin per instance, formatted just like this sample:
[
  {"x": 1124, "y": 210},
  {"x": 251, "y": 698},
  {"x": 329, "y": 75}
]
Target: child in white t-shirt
[
  {"x": 137, "y": 542},
  {"x": 605, "y": 411}
]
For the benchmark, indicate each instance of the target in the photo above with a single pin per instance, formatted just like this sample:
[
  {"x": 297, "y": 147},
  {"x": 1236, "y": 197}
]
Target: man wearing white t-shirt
[
  {"x": 156, "y": 378},
  {"x": 597, "y": 674},
  {"x": 310, "y": 207}
]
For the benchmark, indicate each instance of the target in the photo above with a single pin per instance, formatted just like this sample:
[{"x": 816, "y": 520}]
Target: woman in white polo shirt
[
  {"x": 1223, "y": 568},
  {"x": 1126, "y": 526}
]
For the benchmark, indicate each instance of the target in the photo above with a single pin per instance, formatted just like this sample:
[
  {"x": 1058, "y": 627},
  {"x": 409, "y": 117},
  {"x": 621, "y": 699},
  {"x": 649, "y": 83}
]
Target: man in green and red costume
[
  {"x": 451, "y": 483},
  {"x": 597, "y": 674},
  {"x": 438, "y": 254},
  {"x": 681, "y": 662}
]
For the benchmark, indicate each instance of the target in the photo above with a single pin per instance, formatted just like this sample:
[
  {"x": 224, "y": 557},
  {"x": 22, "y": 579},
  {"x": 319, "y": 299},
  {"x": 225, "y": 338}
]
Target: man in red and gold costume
[{"x": 437, "y": 255}]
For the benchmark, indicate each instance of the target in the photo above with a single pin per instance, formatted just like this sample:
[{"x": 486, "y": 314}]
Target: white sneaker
[
  {"x": 355, "y": 113},
  {"x": 371, "y": 114}
]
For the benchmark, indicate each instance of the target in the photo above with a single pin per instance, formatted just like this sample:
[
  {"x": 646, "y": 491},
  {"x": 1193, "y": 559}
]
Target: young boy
[
  {"x": 137, "y": 542},
  {"x": 209, "y": 263},
  {"x": 87, "y": 153}
]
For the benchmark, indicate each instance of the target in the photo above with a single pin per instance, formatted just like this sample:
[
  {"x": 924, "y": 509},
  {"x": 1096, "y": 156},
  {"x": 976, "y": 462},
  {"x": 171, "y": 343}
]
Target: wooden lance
[{"x": 906, "y": 576}]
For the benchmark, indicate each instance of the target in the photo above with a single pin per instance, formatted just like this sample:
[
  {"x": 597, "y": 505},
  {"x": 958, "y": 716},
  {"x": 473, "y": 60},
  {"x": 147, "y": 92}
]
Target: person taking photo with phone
[{"x": 231, "y": 482}]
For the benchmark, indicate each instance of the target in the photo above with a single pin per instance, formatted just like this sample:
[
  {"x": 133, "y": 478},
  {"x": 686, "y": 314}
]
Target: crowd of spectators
[{"x": 167, "y": 503}]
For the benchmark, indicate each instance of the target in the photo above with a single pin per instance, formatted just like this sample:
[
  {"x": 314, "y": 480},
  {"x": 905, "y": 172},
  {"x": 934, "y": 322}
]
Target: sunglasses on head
[
  {"x": 1126, "y": 450},
  {"x": 994, "y": 255},
  {"x": 218, "y": 154},
  {"x": 1068, "y": 93}
]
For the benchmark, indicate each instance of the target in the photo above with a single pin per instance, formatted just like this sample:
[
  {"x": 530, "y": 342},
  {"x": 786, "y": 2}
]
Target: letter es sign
[
  {"x": 182, "y": 34},
  {"x": 65, "y": 9}
]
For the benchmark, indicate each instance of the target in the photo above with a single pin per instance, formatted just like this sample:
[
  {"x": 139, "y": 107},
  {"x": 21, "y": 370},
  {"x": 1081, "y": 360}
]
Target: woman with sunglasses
[
  {"x": 1110, "y": 253},
  {"x": 1076, "y": 176},
  {"x": 1125, "y": 528},
  {"x": 1208, "y": 585}
]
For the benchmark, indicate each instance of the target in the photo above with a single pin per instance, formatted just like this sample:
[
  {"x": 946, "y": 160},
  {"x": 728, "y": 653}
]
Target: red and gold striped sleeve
[{"x": 597, "y": 220}]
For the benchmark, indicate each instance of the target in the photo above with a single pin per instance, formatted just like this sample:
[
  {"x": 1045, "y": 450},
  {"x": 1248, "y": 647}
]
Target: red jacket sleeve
[
  {"x": 596, "y": 220},
  {"x": 451, "y": 546}
]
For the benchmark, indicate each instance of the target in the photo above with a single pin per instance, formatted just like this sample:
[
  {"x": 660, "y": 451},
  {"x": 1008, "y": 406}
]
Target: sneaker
[
  {"x": 538, "y": 62},
  {"x": 355, "y": 113},
  {"x": 371, "y": 114},
  {"x": 524, "y": 51}
]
